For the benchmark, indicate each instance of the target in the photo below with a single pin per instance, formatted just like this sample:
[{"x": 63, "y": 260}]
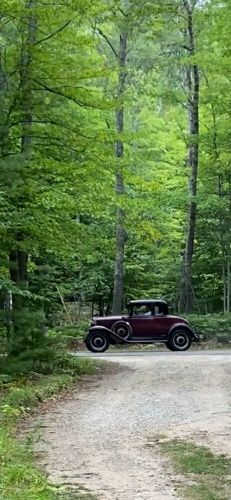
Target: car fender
[
  {"x": 100, "y": 328},
  {"x": 112, "y": 335},
  {"x": 182, "y": 326}
]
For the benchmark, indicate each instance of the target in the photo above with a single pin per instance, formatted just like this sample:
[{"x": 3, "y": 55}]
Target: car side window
[
  {"x": 142, "y": 310},
  {"x": 158, "y": 311}
]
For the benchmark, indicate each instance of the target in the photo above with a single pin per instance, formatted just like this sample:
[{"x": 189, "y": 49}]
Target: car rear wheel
[
  {"x": 180, "y": 340},
  {"x": 97, "y": 342},
  {"x": 123, "y": 329}
]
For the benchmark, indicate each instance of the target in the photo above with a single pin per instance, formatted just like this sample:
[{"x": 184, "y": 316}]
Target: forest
[
  {"x": 115, "y": 175},
  {"x": 115, "y": 184}
]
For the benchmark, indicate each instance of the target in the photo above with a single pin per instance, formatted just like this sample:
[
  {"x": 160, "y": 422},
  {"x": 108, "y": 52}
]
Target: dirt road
[{"x": 98, "y": 438}]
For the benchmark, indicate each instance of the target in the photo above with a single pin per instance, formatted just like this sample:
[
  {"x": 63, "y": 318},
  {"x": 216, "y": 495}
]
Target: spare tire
[{"x": 123, "y": 329}]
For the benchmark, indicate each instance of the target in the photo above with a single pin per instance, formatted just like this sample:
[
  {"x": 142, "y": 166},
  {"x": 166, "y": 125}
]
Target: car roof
[{"x": 147, "y": 301}]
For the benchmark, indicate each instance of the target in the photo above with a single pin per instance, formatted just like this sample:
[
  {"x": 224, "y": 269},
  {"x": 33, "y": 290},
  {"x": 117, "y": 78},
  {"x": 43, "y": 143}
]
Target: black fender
[
  {"x": 96, "y": 328},
  {"x": 183, "y": 326},
  {"x": 114, "y": 337}
]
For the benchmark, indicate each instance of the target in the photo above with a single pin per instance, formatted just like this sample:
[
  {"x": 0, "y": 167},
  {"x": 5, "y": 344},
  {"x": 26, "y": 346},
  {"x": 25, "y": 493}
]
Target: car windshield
[{"x": 142, "y": 310}]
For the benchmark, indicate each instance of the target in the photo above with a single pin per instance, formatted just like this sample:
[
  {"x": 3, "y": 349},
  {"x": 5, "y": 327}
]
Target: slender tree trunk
[
  {"x": 18, "y": 258},
  {"x": 193, "y": 85},
  {"x": 26, "y": 103},
  {"x": 4, "y": 131},
  {"x": 18, "y": 272},
  {"x": 221, "y": 230},
  {"x": 228, "y": 284},
  {"x": 119, "y": 152},
  {"x": 3, "y": 105},
  {"x": 224, "y": 287},
  {"x": 5, "y": 98},
  {"x": 228, "y": 250},
  {"x": 221, "y": 239}
]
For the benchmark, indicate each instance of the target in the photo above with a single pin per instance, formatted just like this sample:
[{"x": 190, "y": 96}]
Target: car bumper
[{"x": 198, "y": 337}]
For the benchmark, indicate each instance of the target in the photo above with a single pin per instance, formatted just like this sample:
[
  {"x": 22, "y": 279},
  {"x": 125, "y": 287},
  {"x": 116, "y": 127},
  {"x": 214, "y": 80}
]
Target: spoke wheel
[
  {"x": 180, "y": 340},
  {"x": 97, "y": 342},
  {"x": 169, "y": 346}
]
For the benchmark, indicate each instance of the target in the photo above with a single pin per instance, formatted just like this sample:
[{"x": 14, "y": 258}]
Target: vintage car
[{"x": 146, "y": 322}]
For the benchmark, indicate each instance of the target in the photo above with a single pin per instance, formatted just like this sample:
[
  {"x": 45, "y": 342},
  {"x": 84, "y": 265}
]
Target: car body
[{"x": 147, "y": 321}]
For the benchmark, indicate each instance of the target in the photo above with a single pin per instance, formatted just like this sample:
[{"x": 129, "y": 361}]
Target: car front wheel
[
  {"x": 180, "y": 340},
  {"x": 97, "y": 342},
  {"x": 169, "y": 346}
]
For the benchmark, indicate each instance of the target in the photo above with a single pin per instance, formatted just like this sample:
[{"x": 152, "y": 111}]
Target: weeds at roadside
[
  {"x": 207, "y": 476},
  {"x": 25, "y": 382}
]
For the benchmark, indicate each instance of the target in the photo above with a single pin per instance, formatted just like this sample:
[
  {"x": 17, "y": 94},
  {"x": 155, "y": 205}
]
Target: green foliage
[
  {"x": 30, "y": 332},
  {"x": 67, "y": 336},
  {"x": 57, "y": 159},
  {"x": 198, "y": 460},
  {"x": 209, "y": 473},
  {"x": 58, "y": 97},
  {"x": 44, "y": 362},
  {"x": 19, "y": 479},
  {"x": 23, "y": 399},
  {"x": 21, "y": 390},
  {"x": 214, "y": 327}
]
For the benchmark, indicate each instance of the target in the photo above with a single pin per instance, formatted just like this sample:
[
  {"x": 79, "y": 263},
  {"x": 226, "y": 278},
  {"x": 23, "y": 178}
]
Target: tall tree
[
  {"x": 18, "y": 257},
  {"x": 193, "y": 87},
  {"x": 120, "y": 230}
]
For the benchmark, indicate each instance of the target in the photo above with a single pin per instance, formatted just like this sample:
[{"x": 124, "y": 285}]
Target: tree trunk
[
  {"x": 3, "y": 105},
  {"x": 4, "y": 130},
  {"x": 222, "y": 237},
  {"x": 193, "y": 86},
  {"x": 224, "y": 287},
  {"x": 18, "y": 257},
  {"x": 119, "y": 152},
  {"x": 228, "y": 248},
  {"x": 26, "y": 102},
  {"x": 18, "y": 273}
]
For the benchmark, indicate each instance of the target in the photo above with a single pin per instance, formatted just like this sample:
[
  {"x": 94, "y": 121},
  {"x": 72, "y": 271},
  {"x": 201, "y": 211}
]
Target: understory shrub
[{"x": 215, "y": 327}]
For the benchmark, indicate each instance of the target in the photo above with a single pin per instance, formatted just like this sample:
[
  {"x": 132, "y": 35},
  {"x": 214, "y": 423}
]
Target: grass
[
  {"x": 19, "y": 478},
  {"x": 207, "y": 476},
  {"x": 21, "y": 390}
]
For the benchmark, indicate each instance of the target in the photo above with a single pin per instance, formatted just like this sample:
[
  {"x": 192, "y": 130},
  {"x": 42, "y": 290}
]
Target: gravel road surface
[{"x": 98, "y": 438}]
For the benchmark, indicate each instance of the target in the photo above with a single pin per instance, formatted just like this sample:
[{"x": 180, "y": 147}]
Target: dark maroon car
[{"x": 146, "y": 322}]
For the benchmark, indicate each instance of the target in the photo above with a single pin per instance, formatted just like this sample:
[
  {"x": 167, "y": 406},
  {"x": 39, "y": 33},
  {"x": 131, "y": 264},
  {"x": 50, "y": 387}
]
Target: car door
[
  {"x": 142, "y": 324},
  {"x": 160, "y": 324},
  {"x": 159, "y": 328}
]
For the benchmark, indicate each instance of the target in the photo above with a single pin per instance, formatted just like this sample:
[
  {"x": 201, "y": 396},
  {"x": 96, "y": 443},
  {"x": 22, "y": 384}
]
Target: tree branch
[
  {"x": 58, "y": 92},
  {"x": 108, "y": 41},
  {"x": 53, "y": 34},
  {"x": 56, "y": 124}
]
